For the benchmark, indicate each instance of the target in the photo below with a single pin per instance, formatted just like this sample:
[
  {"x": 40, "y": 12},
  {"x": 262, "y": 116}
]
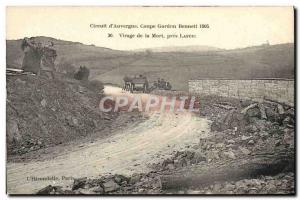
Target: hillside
[
  {"x": 110, "y": 66},
  {"x": 191, "y": 48}
]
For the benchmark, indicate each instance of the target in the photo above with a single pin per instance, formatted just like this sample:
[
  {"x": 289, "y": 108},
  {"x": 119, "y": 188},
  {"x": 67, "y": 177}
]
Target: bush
[
  {"x": 96, "y": 86},
  {"x": 82, "y": 74}
]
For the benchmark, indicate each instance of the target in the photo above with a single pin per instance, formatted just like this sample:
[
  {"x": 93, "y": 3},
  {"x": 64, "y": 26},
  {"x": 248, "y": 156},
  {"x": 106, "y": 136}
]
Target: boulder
[
  {"x": 120, "y": 179},
  {"x": 254, "y": 112},
  {"x": 87, "y": 191},
  {"x": 272, "y": 115},
  {"x": 110, "y": 186},
  {"x": 233, "y": 120},
  {"x": 244, "y": 138},
  {"x": 47, "y": 190},
  {"x": 251, "y": 142},
  {"x": 180, "y": 163},
  {"x": 230, "y": 141},
  {"x": 244, "y": 150},
  {"x": 229, "y": 154},
  {"x": 198, "y": 157},
  {"x": 12, "y": 131},
  {"x": 167, "y": 162},
  {"x": 79, "y": 183},
  {"x": 251, "y": 128},
  {"x": 245, "y": 103},
  {"x": 135, "y": 178},
  {"x": 170, "y": 166},
  {"x": 263, "y": 134}
]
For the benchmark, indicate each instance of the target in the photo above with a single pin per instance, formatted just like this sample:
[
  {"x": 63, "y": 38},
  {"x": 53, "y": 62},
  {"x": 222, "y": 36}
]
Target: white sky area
[{"x": 230, "y": 27}]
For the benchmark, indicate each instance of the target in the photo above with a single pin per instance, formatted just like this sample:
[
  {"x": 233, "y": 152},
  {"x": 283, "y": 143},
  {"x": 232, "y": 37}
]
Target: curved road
[{"x": 126, "y": 152}]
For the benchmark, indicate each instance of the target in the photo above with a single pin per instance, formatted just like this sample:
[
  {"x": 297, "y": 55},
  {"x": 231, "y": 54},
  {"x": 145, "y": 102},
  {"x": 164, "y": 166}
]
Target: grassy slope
[{"x": 110, "y": 66}]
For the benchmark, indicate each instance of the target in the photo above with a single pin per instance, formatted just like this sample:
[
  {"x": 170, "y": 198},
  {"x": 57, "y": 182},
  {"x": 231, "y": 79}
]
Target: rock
[
  {"x": 65, "y": 192},
  {"x": 135, "y": 178},
  {"x": 20, "y": 82},
  {"x": 288, "y": 136},
  {"x": 277, "y": 142},
  {"x": 220, "y": 145},
  {"x": 12, "y": 131},
  {"x": 271, "y": 188},
  {"x": 217, "y": 187},
  {"x": 212, "y": 155},
  {"x": 79, "y": 183},
  {"x": 198, "y": 157},
  {"x": 46, "y": 190},
  {"x": 288, "y": 121},
  {"x": 81, "y": 89},
  {"x": 215, "y": 126},
  {"x": 120, "y": 179},
  {"x": 272, "y": 115},
  {"x": 262, "y": 110},
  {"x": 263, "y": 134},
  {"x": 229, "y": 154},
  {"x": 180, "y": 192},
  {"x": 95, "y": 123},
  {"x": 280, "y": 109},
  {"x": 249, "y": 107},
  {"x": 251, "y": 142},
  {"x": 75, "y": 121},
  {"x": 290, "y": 112},
  {"x": 141, "y": 190},
  {"x": 230, "y": 146},
  {"x": 263, "y": 125},
  {"x": 88, "y": 191},
  {"x": 233, "y": 132},
  {"x": 244, "y": 138},
  {"x": 170, "y": 166},
  {"x": 233, "y": 120},
  {"x": 244, "y": 150},
  {"x": 110, "y": 186},
  {"x": 185, "y": 154},
  {"x": 72, "y": 121},
  {"x": 180, "y": 163},
  {"x": 253, "y": 191},
  {"x": 166, "y": 162},
  {"x": 245, "y": 103},
  {"x": 230, "y": 141},
  {"x": 189, "y": 154},
  {"x": 44, "y": 103},
  {"x": 106, "y": 117},
  {"x": 254, "y": 112},
  {"x": 251, "y": 129},
  {"x": 98, "y": 190}
]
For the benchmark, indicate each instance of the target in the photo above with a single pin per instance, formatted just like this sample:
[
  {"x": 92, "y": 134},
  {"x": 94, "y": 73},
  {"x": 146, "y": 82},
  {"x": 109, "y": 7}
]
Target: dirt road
[{"x": 126, "y": 152}]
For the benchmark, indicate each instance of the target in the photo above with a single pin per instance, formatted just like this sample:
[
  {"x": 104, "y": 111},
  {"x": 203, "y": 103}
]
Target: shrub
[
  {"x": 96, "y": 86},
  {"x": 82, "y": 74}
]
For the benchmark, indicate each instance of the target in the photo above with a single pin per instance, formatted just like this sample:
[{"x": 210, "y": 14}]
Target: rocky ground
[
  {"x": 240, "y": 132},
  {"x": 44, "y": 114}
]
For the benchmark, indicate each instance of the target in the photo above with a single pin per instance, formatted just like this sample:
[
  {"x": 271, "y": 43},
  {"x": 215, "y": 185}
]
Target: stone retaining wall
[{"x": 281, "y": 90}]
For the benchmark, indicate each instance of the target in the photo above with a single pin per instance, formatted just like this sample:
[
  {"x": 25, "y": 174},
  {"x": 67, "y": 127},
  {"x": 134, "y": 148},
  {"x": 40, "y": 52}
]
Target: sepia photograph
[{"x": 108, "y": 100}]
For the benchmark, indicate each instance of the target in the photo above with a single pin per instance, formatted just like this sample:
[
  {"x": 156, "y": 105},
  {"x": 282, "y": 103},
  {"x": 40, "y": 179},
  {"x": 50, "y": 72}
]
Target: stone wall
[{"x": 281, "y": 90}]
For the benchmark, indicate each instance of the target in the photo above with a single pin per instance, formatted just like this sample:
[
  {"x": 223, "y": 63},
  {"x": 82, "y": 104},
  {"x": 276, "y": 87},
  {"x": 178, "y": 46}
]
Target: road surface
[{"x": 126, "y": 152}]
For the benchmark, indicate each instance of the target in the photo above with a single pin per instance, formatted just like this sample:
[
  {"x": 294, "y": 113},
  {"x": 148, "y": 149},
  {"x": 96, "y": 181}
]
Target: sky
[{"x": 229, "y": 27}]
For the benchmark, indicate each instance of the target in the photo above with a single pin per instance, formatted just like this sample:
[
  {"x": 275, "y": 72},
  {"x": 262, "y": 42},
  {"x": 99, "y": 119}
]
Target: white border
[{"x": 4, "y": 3}]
